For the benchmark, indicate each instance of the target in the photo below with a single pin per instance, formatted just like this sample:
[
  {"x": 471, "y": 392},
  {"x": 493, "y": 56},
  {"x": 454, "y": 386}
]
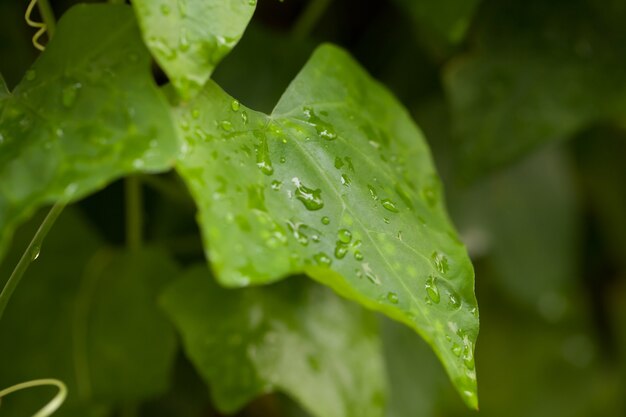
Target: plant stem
[
  {"x": 31, "y": 253},
  {"x": 48, "y": 17},
  {"x": 309, "y": 18},
  {"x": 134, "y": 212},
  {"x": 49, "y": 408}
]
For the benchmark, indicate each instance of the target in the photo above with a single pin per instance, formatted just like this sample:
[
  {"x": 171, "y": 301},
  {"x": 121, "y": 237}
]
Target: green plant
[
  {"x": 208, "y": 208},
  {"x": 337, "y": 183}
]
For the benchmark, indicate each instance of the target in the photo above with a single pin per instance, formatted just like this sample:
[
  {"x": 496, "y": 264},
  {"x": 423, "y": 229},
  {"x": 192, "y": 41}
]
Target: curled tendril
[
  {"x": 37, "y": 25},
  {"x": 54, "y": 403}
]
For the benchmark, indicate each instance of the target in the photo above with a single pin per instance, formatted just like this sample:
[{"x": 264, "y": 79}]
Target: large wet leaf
[
  {"x": 291, "y": 337},
  {"x": 88, "y": 317},
  {"x": 337, "y": 183},
  {"x": 86, "y": 112},
  {"x": 189, "y": 38},
  {"x": 540, "y": 71}
]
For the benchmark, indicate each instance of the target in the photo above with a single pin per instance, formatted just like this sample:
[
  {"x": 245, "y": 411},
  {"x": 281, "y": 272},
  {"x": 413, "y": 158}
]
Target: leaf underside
[{"x": 337, "y": 183}]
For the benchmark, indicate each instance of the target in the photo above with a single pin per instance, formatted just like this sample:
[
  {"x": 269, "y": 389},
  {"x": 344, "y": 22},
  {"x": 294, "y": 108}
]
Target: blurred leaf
[
  {"x": 525, "y": 221},
  {"x": 444, "y": 20},
  {"x": 337, "y": 183},
  {"x": 416, "y": 379},
  {"x": 539, "y": 72},
  {"x": 296, "y": 337},
  {"x": 189, "y": 38},
  {"x": 86, "y": 112},
  {"x": 89, "y": 318},
  {"x": 600, "y": 154}
]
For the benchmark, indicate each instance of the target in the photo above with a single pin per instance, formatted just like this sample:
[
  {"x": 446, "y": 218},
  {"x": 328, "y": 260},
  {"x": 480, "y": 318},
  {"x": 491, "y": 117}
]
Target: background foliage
[{"x": 522, "y": 104}]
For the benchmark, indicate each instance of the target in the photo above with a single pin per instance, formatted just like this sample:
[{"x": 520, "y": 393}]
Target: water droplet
[
  {"x": 282, "y": 159},
  {"x": 325, "y": 220},
  {"x": 311, "y": 198},
  {"x": 340, "y": 250},
  {"x": 338, "y": 163},
  {"x": 252, "y": 2},
  {"x": 432, "y": 290},
  {"x": 372, "y": 191},
  {"x": 370, "y": 275},
  {"x": 389, "y": 205},
  {"x": 235, "y": 105},
  {"x": 165, "y": 9},
  {"x": 392, "y": 297},
  {"x": 276, "y": 185},
  {"x": 263, "y": 160},
  {"x": 300, "y": 236},
  {"x": 358, "y": 255},
  {"x": 457, "y": 350},
  {"x": 34, "y": 253},
  {"x": 69, "y": 94},
  {"x": 323, "y": 128},
  {"x": 344, "y": 235},
  {"x": 226, "y": 125},
  {"x": 161, "y": 48},
  {"x": 244, "y": 117},
  {"x": 322, "y": 259},
  {"x": 31, "y": 75},
  {"x": 345, "y": 180},
  {"x": 441, "y": 262}
]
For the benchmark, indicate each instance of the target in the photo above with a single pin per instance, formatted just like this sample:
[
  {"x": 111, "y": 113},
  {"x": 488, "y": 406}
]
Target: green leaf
[
  {"x": 296, "y": 337},
  {"x": 88, "y": 317},
  {"x": 337, "y": 183},
  {"x": 189, "y": 38},
  {"x": 447, "y": 20},
  {"x": 540, "y": 72},
  {"x": 86, "y": 113}
]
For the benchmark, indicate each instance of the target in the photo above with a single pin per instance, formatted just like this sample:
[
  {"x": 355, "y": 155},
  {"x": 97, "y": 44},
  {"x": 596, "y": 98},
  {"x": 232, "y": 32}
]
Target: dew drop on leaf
[
  {"x": 311, "y": 198},
  {"x": 389, "y": 205},
  {"x": 322, "y": 259},
  {"x": 344, "y": 235},
  {"x": 392, "y": 297},
  {"x": 323, "y": 128},
  {"x": 235, "y": 105},
  {"x": 276, "y": 185},
  {"x": 226, "y": 125},
  {"x": 34, "y": 253},
  {"x": 325, "y": 220},
  {"x": 432, "y": 290},
  {"x": 441, "y": 262}
]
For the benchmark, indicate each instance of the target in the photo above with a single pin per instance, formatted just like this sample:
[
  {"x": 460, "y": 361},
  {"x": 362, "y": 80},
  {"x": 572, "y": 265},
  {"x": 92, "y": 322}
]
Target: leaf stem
[
  {"x": 48, "y": 17},
  {"x": 134, "y": 212},
  {"x": 31, "y": 253},
  {"x": 309, "y": 18},
  {"x": 49, "y": 408}
]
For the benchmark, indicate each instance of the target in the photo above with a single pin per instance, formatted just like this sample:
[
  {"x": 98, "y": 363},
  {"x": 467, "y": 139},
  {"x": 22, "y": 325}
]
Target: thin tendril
[
  {"x": 52, "y": 406},
  {"x": 37, "y": 25}
]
